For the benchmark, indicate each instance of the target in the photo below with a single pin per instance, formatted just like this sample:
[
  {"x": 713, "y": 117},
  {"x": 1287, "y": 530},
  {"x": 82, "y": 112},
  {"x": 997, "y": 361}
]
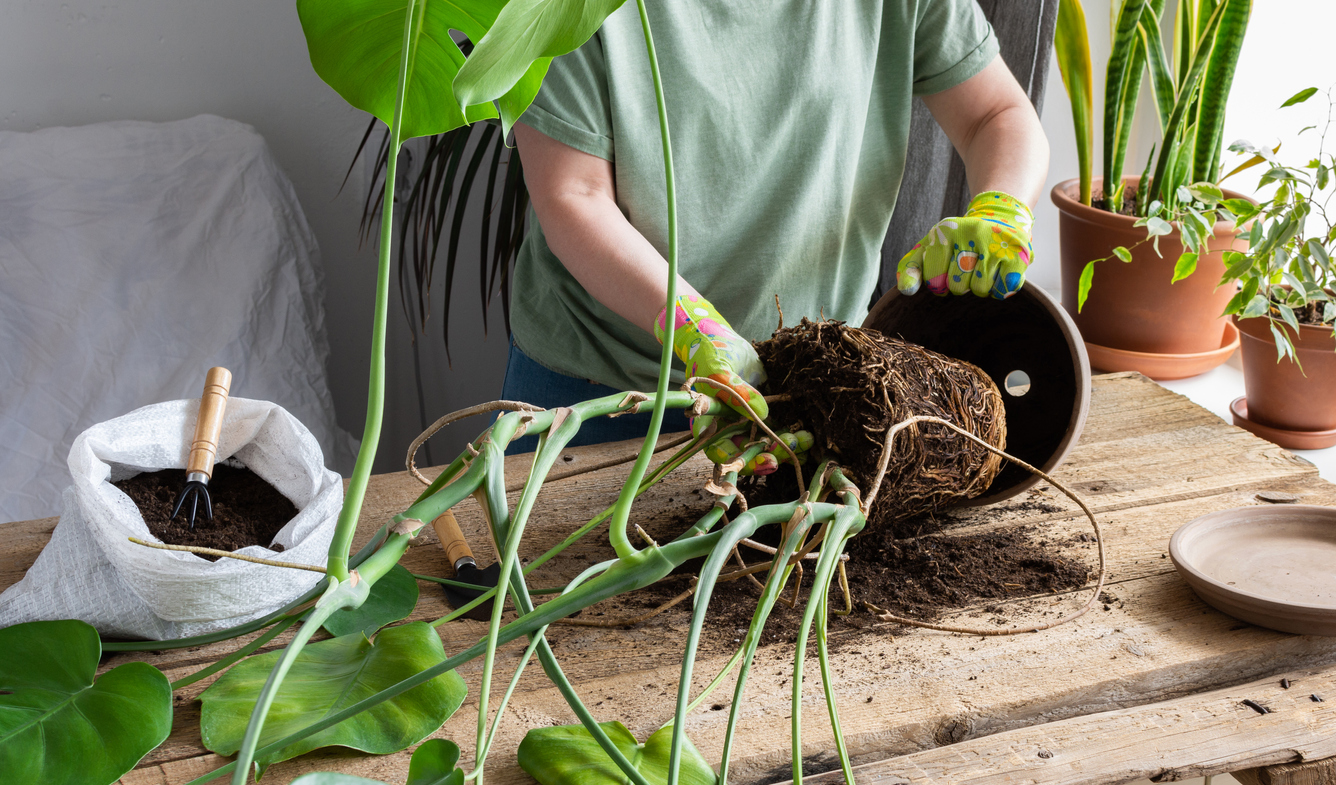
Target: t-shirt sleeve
[
  {"x": 952, "y": 42},
  {"x": 572, "y": 106}
]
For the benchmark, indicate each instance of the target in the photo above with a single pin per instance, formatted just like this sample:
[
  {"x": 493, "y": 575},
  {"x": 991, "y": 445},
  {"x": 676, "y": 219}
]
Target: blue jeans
[{"x": 530, "y": 382}]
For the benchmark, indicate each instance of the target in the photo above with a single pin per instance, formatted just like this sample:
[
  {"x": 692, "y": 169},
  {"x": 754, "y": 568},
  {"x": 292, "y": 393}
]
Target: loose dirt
[{"x": 246, "y": 509}]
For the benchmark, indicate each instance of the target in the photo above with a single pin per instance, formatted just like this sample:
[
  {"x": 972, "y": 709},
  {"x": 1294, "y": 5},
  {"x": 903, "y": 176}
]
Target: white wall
[{"x": 84, "y": 61}]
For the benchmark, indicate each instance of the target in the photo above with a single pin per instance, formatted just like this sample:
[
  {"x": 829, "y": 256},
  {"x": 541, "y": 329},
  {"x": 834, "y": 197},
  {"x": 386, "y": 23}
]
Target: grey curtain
[{"x": 1024, "y": 31}]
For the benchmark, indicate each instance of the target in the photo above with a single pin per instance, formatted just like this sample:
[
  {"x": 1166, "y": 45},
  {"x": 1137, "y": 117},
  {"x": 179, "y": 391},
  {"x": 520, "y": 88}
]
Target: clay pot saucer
[
  {"x": 1163, "y": 367},
  {"x": 1270, "y": 566},
  {"x": 1290, "y": 440}
]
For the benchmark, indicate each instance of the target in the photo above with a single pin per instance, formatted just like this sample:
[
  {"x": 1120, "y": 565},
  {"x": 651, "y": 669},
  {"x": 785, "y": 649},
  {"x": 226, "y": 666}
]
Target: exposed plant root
[
  {"x": 162, "y": 546},
  {"x": 482, "y": 408},
  {"x": 849, "y": 386},
  {"x": 1099, "y": 541}
]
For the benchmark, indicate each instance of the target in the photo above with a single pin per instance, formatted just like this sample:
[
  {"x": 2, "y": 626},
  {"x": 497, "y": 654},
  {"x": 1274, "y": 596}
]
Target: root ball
[{"x": 849, "y": 386}]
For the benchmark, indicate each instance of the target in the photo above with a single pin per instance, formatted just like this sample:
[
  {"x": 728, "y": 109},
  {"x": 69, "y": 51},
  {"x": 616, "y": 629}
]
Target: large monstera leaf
[
  {"x": 392, "y": 598},
  {"x": 60, "y": 726},
  {"x": 526, "y": 34},
  {"x": 328, "y": 677},
  {"x": 568, "y": 755},
  {"x": 432, "y": 764},
  {"x": 356, "y": 47}
]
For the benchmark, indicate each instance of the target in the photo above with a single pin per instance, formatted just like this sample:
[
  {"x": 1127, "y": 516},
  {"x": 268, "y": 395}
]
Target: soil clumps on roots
[
  {"x": 246, "y": 509},
  {"x": 849, "y": 386}
]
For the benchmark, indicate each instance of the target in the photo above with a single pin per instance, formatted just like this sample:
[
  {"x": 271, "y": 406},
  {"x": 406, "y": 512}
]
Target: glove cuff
[
  {"x": 1000, "y": 202},
  {"x": 691, "y": 313}
]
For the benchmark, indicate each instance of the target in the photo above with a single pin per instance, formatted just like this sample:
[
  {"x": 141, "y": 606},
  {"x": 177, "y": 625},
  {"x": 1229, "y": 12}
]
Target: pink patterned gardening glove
[
  {"x": 985, "y": 251},
  {"x": 708, "y": 346}
]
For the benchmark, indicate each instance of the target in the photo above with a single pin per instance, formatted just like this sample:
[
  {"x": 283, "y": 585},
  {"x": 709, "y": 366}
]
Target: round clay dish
[
  {"x": 1028, "y": 334},
  {"x": 1270, "y": 566},
  {"x": 1290, "y": 440},
  {"x": 1163, "y": 367}
]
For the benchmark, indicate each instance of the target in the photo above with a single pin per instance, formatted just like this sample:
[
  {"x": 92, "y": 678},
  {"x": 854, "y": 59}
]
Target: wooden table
[{"x": 1147, "y": 685}]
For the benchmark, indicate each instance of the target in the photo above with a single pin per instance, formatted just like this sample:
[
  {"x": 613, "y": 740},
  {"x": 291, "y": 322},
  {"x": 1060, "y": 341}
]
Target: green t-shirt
[{"x": 790, "y": 123}]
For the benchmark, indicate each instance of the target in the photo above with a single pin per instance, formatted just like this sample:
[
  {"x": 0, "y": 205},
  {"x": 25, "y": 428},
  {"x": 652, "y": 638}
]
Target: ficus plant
[
  {"x": 1286, "y": 275},
  {"x": 1190, "y": 82}
]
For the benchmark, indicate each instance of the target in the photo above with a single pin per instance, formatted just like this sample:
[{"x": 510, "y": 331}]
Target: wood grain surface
[{"x": 1149, "y": 461}]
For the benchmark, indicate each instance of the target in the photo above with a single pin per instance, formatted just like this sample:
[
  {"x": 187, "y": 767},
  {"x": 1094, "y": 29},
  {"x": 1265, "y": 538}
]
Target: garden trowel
[{"x": 460, "y": 556}]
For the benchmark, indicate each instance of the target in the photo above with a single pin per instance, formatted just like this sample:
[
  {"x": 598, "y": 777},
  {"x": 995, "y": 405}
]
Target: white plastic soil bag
[{"x": 91, "y": 571}]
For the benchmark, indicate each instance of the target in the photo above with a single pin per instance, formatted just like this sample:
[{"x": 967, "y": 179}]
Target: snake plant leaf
[
  {"x": 1215, "y": 87},
  {"x": 432, "y": 764},
  {"x": 328, "y": 677},
  {"x": 392, "y": 598},
  {"x": 1071, "y": 45},
  {"x": 568, "y": 755},
  {"x": 59, "y": 725},
  {"x": 513, "y": 56}
]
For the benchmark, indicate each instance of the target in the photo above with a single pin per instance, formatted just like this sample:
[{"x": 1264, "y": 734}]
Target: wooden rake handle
[
  {"x": 212, "y": 404},
  {"x": 452, "y": 539}
]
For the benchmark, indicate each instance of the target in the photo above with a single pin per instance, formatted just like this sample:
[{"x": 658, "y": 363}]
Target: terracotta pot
[
  {"x": 1279, "y": 394},
  {"x": 1132, "y": 306},
  {"x": 1028, "y": 333}
]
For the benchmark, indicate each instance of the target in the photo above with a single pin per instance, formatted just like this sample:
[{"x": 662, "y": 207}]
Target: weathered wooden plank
[
  {"x": 1317, "y": 772},
  {"x": 1210, "y": 733}
]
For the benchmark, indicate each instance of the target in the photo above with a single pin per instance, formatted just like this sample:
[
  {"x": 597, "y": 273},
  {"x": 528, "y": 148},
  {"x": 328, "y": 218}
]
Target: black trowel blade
[{"x": 484, "y": 579}]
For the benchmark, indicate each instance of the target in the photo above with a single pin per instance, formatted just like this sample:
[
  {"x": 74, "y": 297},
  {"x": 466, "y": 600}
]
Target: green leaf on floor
[
  {"x": 432, "y": 764},
  {"x": 569, "y": 755},
  {"x": 392, "y": 598},
  {"x": 328, "y": 677},
  {"x": 61, "y": 726}
]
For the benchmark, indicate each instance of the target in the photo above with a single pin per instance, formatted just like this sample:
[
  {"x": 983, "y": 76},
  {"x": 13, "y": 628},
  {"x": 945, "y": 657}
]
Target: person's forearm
[
  {"x": 1008, "y": 153},
  {"x": 608, "y": 256}
]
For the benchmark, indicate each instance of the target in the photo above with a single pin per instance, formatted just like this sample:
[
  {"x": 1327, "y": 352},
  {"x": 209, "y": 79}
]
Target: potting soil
[{"x": 246, "y": 509}]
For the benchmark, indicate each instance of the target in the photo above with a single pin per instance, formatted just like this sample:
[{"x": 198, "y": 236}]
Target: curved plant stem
[
  {"x": 234, "y": 656},
  {"x": 332, "y": 600},
  {"x": 622, "y": 513},
  {"x": 741, "y": 527},
  {"x": 845, "y": 520},
  {"x": 340, "y": 545},
  {"x": 828, "y": 685}
]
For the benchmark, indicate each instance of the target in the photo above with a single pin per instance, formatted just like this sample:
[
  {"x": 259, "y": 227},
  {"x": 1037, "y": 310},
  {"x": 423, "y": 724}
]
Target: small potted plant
[
  {"x": 1285, "y": 306},
  {"x": 1151, "y": 313}
]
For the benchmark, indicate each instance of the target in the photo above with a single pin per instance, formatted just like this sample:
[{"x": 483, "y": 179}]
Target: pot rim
[
  {"x": 1065, "y": 197},
  {"x": 1307, "y": 332}
]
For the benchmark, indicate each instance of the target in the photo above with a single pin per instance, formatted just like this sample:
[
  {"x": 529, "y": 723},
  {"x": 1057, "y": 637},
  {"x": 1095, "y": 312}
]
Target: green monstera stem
[{"x": 621, "y": 543}]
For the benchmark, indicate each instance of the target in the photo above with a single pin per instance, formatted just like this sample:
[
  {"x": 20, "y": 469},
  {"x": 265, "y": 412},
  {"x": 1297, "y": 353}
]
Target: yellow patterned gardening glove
[
  {"x": 710, "y": 349},
  {"x": 985, "y": 251}
]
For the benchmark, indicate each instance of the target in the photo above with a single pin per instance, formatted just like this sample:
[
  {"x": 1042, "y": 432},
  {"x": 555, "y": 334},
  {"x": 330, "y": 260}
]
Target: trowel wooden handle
[
  {"x": 212, "y": 404},
  {"x": 452, "y": 539}
]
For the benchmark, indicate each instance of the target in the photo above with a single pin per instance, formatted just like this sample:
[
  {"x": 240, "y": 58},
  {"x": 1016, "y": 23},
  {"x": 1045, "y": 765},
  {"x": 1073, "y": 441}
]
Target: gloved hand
[
  {"x": 985, "y": 251},
  {"x": 708, "y": 346},
  {"x": 725, "y": 450}
]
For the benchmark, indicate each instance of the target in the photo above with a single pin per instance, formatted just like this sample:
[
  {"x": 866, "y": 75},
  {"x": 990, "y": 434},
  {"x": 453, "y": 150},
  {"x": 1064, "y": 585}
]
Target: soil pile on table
[
  {"x": 849, "y": 386},
  {"x": 920, "y": 578},
  {"x": 246, "y": 509}
]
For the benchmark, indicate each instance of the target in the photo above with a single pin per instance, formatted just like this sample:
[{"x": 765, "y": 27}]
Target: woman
[{"x": 789, "y": 125}]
